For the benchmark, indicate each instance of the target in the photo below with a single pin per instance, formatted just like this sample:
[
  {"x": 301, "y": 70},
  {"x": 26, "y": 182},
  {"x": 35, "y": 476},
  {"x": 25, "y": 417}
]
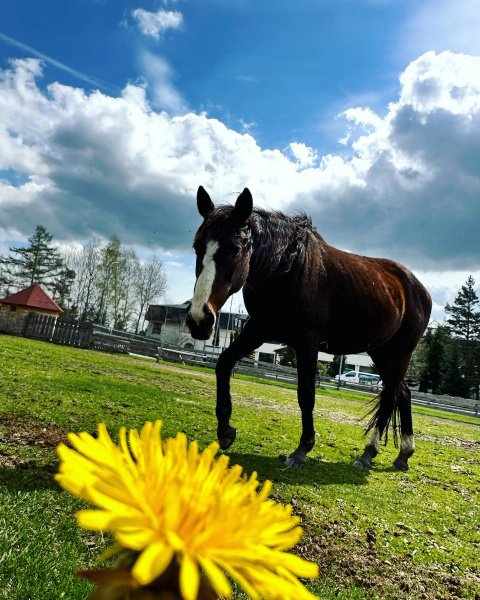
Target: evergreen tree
[
  {"x": 334, "y": 367},
  {"x": 454, "y": 383},
  {"x": 433, "y": 352},
  {"x": 39, "y": 262},
  {"x": 464, "y": 324},
  {"x": 288, "y": 357},
  {"x": 464, "y": 319},
  {"x": 62, "y": 289}
]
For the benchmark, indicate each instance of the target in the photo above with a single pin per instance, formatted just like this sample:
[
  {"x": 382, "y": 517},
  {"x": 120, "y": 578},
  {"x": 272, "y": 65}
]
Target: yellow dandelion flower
[{"x": 166, "y": 500}]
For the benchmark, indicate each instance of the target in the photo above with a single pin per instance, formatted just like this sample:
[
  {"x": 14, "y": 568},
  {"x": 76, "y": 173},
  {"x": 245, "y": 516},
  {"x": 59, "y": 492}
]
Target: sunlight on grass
[{"x": 375, "y": 535}]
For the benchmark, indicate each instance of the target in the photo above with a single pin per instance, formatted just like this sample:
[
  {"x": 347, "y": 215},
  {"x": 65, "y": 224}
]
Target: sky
[{"x": 363, "y": 113}]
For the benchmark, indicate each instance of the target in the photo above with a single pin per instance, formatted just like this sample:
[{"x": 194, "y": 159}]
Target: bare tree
[
  {"x": 86, "y": 262},
  {"x": 123, "y": 275},
  {"x": 150, "y": 285}
]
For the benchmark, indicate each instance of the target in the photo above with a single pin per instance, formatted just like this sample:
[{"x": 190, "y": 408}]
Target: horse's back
[{"x": 370, "y": 300}]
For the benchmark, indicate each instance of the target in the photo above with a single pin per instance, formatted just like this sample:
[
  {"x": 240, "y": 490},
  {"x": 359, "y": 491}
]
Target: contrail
[{"x": 96, "y": 82}]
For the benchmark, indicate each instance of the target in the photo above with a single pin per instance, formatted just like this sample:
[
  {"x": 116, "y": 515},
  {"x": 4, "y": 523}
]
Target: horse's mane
[
  {"x": 278, "y": 241},
  {"x": 282, "y": 241}
]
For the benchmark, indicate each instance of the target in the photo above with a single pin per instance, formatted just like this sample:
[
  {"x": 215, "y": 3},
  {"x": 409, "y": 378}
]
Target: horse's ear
[
  {"x": 204, "y": 202},
  {"x": 243, "y": 206}
]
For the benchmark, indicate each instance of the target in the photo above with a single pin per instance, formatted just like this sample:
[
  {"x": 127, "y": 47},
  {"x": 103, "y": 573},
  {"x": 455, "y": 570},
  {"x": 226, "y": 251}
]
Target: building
[
  {"x": 353, "y": 362},
  {"x": 166, "y": 322},
  {"x": 15, "y": 309}
]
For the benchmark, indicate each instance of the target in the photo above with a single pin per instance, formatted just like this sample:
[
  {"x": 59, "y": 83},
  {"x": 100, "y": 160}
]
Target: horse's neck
[{"x": 276, "y": 248}]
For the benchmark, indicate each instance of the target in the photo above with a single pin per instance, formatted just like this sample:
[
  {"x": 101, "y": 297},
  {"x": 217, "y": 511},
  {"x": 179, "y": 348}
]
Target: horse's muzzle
[{"x": 204, "y": 329}]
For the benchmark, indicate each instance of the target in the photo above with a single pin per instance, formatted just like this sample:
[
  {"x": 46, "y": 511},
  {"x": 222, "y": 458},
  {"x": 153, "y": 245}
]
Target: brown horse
[{"x": 300, "y": 291}]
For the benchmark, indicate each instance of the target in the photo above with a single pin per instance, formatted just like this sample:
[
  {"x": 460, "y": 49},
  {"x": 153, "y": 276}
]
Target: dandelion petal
[
  {"x": 152, "y": 562},
  {"x": 217, "y": 578},
  {"x": 189, "y": 578}
]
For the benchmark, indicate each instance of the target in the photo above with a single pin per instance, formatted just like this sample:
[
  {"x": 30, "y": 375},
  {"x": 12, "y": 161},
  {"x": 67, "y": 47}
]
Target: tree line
[
  {"x": 447, "y": 359},
  {"x": 103, "y": 283}
]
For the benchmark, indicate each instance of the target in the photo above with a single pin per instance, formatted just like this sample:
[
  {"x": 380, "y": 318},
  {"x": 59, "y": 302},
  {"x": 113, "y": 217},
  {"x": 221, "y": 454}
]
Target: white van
[{"x": 360, "y": 377}]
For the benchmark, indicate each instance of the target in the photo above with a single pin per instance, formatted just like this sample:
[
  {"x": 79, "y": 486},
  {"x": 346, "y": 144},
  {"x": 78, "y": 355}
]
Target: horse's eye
[{"x": 237, "y": 246}]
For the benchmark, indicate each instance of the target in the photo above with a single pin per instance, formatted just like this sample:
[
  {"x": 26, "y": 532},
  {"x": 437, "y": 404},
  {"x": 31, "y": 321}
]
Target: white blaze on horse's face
[{"x": 204, "y": 285}]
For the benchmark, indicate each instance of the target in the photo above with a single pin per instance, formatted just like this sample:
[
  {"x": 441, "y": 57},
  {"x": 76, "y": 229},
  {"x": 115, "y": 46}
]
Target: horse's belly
[{"x": 353, "y": 338}]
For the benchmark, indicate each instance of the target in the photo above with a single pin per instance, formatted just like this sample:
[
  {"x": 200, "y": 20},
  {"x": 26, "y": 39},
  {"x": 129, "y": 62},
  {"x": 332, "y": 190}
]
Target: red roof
[{"x": 34, "y": 297}]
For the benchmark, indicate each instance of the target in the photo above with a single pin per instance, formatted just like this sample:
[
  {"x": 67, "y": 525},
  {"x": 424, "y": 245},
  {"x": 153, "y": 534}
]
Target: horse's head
[{"x": 223, "y": 248}]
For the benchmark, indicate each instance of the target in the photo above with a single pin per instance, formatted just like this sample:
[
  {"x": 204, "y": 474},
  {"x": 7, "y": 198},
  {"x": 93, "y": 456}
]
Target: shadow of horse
[
  {"x": 25, "y": 480},
  {"x": 318, "y": 472}
]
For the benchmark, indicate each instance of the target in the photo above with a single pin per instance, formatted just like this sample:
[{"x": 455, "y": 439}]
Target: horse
[{"x": 300, "y": 291}]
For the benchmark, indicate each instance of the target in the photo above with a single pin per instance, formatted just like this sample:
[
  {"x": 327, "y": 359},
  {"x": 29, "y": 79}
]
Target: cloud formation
[
  {"x": 156, "y": 24},
  {"x": 97, "y": 165}
]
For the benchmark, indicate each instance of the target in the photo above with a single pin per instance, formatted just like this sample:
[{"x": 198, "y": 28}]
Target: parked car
[{"x": 359, "y": 377}]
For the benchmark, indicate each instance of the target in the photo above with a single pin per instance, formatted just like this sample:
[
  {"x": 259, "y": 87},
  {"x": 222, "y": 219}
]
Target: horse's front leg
[
  {"x": 307, "y": 357},
  {"x": 249, "y": 339}
]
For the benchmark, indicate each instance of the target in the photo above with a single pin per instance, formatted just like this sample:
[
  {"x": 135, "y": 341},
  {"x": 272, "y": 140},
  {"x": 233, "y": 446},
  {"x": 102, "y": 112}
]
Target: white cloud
[
  {"x": 303, "y": 155},
  {"x": 159, "y": 75},
  {"x": 247, "y": 126},
  {"x": 156, "y": 24},
  {"x": 94, "y": 165}
]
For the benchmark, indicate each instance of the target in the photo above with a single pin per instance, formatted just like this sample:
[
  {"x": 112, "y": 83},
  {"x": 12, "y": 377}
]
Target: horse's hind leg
[
  {"x": 407, "y": 444},
  {"x": 394, "y": 400},
  {"x": 380, "y": 423}
]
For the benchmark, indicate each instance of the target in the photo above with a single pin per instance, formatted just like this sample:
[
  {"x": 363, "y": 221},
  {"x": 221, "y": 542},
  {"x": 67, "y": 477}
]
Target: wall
[{"x": 13, "y": 321}]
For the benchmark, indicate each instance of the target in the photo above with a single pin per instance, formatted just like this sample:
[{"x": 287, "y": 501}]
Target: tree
[
  {"x": 62, "y": 290},
  {"x": 40, "y": 262},
  {"x": 123, "y": 275},
  {"x": 86, "y": 262},
  {"x": 108, "y": 278},
  {"x": 454, "y": 382},
  {"x": 150, "y": 284},
  {"x": 429, "y": 365},
  {"x": 334, "y": 367},
  {"x": 464, "y": 324},
  {"x": 464, "y": 320},
  {"x": 288, "y": 357}
]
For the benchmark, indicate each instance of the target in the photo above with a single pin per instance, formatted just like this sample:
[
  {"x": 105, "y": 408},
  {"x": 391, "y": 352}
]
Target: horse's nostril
[{"x": 210, "y": 319}]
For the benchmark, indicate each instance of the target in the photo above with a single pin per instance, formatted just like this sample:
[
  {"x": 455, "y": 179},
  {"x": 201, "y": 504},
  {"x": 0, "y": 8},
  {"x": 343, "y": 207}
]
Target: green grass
[{"x": 381, "y": 534}]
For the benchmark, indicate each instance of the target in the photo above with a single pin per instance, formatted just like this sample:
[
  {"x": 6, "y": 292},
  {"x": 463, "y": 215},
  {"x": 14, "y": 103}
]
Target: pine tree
[
  {"x": 464, "y": 320},
  {"x": 288, "y": 357},
  {"x": 334, "y": 367},
  {"x": 39, "y": 262},
  {"x": 464, "y": 324},
  {"x": 454, "y": 383},
  {"x": 432, "y": 359},
  {"x": 62, "y": 289}
]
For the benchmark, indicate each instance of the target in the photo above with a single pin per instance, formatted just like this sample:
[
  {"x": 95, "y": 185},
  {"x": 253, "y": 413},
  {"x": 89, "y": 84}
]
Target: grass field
[{"x": 378, "y": 534}]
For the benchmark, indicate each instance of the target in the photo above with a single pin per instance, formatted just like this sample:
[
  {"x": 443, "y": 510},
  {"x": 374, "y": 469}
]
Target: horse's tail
[{"x": 385, "y": 412}]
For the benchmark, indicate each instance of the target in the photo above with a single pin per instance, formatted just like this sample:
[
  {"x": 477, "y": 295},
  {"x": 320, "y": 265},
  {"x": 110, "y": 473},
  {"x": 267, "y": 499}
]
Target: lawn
[{"x": 378, "y": 534}]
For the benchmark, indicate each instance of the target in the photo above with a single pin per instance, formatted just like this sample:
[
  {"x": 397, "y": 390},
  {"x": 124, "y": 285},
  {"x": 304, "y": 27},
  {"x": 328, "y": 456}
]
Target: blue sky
[
  {"x": 363, "y": 113},
  {"x": 290, "y": 68}
]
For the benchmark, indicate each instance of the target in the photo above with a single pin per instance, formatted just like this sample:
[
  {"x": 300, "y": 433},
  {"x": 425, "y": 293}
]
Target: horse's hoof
[
  {"x": 363, "y": 463},
  {"x": 401, "y": 465},
  {"x": 298, "y": 462},
  {"x": 227, "y": 438}
]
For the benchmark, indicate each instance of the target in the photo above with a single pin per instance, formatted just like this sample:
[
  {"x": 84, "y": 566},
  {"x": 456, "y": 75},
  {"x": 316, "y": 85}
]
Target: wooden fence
[
  {"x": 87, "y": 335},
  {"x": 69, "y": 333}
]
